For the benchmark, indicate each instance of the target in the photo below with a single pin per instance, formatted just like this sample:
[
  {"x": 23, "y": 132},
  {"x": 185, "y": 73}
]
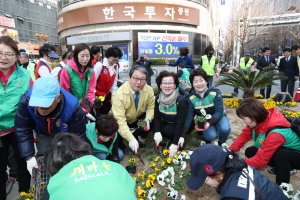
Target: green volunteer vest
[
  {"x": 243, "y": 65},
  {"x": 77, "y": 87},
  {"x": 206, "y": 102},
  {"x": 291, "y": 139},
  {"x": 90, "y": 178},
  {"x": 185, "y": 75},
  {"x": 18, "y": 83},
  {"x": 92, "y": 136},
  {"x": 171, "y": 110},
  {"x": 208, "y": 67}
]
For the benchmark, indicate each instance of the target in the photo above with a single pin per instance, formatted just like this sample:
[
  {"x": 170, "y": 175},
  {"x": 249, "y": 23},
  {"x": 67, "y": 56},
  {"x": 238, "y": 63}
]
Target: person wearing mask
[
  {"x": 209, "y": 100},
  {"x": 15, "y": 81},
  {"x": 47, "y": 55},
  {"x": 106, "y": 75},
  {"x": 146, "y": 62},
  {"x": 245, "y": 64},
  {"x": 266, "y": 61},
  {"x": 230, "y": 175},
  {"x": 289, "y": 67},
  {"x": 209, "y": 63},
  {"x": 77, "y": 174},
  {"x": 95, "y": 50},
  {"x": 184, "y": 60},
  {"x": 170, "y": 112},
  {"x": 132, "y": 102},
  {"x": 78, "y": 77}
]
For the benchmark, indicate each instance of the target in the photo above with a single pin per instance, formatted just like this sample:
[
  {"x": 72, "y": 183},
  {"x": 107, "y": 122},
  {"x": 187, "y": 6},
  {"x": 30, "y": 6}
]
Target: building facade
[
  {"x": 30, "y": 22},
  {"x": 157, "y": 28}
]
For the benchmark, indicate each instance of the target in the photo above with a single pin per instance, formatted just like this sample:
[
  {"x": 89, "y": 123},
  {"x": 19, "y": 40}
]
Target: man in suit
[
  {"x": 289, "y": 66},
  {"x": 266, "y": 61},
  {"x": 146, "y": 62}
]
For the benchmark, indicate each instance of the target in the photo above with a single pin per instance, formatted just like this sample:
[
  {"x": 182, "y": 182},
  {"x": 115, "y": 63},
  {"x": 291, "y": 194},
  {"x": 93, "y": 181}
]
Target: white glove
[
  {"x": 31, "y": 163},
  {"x": 181, "y": 141},
  {"x": 173, "y": 150},
  {"x": 134, "y": 145},
  {"x": 157, "y": 138},
  {"x": 147, "y": 126}
]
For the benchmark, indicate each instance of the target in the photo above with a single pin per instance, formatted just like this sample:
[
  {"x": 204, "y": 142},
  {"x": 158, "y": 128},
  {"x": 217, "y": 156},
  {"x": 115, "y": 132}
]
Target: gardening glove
[
  {"x": 180, "y": 142},
  {"x": 147, "y": 128},
  {"x": 157, "y": 138},
  {"x": 134, "y": 145},
  {"x": 173, "y": 150},
  {"x": 31, "y": 163}
]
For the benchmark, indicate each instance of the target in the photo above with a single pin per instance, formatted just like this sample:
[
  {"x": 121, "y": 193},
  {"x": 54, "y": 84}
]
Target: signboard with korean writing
[
  {"x": 123, "y": 12},
  {"x": 8, "y": 22},
  {"x": 9, "y": 32},
  {"x": 161, "y": 44}
]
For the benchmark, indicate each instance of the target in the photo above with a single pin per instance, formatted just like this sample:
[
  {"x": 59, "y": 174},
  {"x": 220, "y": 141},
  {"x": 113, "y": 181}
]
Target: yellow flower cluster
[
  {"x": 26, "y": 196},
  {"x": 291, "y": 115},
  {"x": 269, "y": 103},
  {"x": 226, "y": 95},
  {"x": 258, "y": 96},
  {"x": 232, "y": 103}
]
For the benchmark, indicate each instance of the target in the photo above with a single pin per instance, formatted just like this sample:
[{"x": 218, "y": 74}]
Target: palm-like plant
[{"x": 249, "y": 81}]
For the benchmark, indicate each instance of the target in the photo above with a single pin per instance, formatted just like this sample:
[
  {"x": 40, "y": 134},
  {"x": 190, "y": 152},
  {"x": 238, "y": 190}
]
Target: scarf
[{"x": 167, "y": 101}]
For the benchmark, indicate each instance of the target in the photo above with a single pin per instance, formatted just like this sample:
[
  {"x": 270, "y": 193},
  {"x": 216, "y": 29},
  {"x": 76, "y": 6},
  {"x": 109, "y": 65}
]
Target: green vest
[
  {"x": 185, "y": 75},
  {"x": 209, "y": 67},
  {"x": 292, "y": 140},
  {"x": 30, "y": 68},
  {"x": 93, "y": 138},
  {"x": 243, "y": 63},
  {"x": 206, "y": 102},
  {"x": 90, "y": 178},
  {"x": 18, "y": 83},
  {"x": 79, "y": 87}
]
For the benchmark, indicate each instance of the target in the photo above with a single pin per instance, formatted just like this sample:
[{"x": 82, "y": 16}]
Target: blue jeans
[
  {"x": 221, "y": 128},
  {"x": 103, "y": 156},
  {"x": 210, "y": 81}
]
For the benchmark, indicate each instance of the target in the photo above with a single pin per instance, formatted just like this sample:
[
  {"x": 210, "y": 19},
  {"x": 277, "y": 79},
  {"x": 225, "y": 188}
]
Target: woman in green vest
[
  {"x": 170, "y": 112},
  {"x": 15, "y": 81},
  {"x": 103, "y": 136},
  {"x": 78, "y": 77},
  {"x": 278, "y": 147},
  {"x": 77, "y": 174}
]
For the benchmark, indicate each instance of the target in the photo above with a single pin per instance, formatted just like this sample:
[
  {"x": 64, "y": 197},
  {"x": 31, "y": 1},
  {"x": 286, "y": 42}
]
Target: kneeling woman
[
  {"x": 170, "y": 111},
  {"x": 208, "y": 99}
]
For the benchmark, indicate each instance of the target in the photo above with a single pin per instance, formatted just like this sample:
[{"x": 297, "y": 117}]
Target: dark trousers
[
  {"x": 266, "y": 95},
  {"x": 139, "y": 131},
  {"x": 284, "y": 160},
  {"x": 23, "y": 174},
  {"x": 168, "y": 130},
  {"x": 12, "y": 164},
  {"x": 290, "y": 84}
]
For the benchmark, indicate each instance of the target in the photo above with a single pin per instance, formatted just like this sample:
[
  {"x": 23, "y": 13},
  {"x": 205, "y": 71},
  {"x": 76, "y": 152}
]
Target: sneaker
[
  {"x": 224, "y": 146},
  {"x": 273, "y": 171},
  {"x": 202, "y": 143}
]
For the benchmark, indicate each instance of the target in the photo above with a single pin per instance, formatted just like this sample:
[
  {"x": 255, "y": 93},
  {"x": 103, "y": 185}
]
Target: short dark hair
[
  {"x": 78, "y": 48},
  {"x": 138, "y": 68},
  {"x": 166, "y": 73},
  {"x": 208, "y": 49},
  {"x": 106, "y": 125},
  {"x": 265, "y": 49},
  {"x": 184, "y": 51},
  {"x": 252, "y": 108},
  {"x": 198, "y": 72},
  {"x": 64, "y": 148},
  {"x": 113, "y": 52},
  {"x": 64, "y": 56},
  {"x": 9, "y": 42},
  {"x": 287, "y": 49},
  {"x": 45, "y": 49},
  {"x": 295, "y": 47},
  {"x": 95, "y": 50}
]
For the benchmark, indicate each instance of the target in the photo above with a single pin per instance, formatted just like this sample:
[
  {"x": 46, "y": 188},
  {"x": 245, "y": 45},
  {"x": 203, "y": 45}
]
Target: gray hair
[{"x": 138, "y": 68}]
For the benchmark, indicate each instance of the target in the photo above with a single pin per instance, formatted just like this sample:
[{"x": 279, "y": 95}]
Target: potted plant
[
  {"x": 131, "y": 167},
  {"x": 142, "y": 124},
  {"x": 201, "y": 119}
]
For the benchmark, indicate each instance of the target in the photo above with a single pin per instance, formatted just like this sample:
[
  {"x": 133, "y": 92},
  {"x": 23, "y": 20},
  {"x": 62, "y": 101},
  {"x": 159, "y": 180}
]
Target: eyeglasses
[
  {"x": 167, "y": 83},
  {"x": 7, "y": 54},
  {"x": 142, "y": 80}
]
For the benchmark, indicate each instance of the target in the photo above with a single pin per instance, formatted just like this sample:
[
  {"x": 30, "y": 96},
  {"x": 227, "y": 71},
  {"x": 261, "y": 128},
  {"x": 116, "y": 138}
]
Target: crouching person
[
  {"x": 103, "y": 136},
  {"x": 76, "y": 174}
]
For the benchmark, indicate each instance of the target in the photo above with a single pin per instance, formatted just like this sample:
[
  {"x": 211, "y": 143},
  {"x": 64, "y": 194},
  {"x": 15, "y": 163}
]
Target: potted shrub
[
  {"x": 201, "y": 119},
  {"x": 131, "y": 167},
  {"x": 142, "y": 124}
]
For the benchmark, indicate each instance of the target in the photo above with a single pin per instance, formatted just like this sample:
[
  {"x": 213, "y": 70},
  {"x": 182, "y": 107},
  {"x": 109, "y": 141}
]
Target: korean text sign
[{"x": 161, "y": 44}]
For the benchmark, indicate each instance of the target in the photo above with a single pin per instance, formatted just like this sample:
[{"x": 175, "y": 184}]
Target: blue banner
[{"x": 161, "y": 44}]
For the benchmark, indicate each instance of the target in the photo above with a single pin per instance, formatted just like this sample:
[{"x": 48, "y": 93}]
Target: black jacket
[
  {"x": 262, "y": 63},
  {"x": 147, "y": 65},
  {"x": 290, "y": 68}
]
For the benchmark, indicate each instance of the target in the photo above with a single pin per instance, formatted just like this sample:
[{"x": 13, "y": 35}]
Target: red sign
[{"x": 8, "y": 22}]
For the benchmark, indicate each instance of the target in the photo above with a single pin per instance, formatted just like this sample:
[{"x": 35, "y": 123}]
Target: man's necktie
[
  {"x": 267, "y": 59},
  {"x": 136, "y": 99}
]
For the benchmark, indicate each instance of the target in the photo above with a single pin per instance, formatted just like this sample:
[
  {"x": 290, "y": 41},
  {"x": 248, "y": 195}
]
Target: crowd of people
[{"x": 46, "y": 109}]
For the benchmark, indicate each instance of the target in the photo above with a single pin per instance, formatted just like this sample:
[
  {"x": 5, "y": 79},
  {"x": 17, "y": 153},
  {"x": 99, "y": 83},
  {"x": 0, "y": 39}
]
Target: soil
[{"x": 206, "y": 192}]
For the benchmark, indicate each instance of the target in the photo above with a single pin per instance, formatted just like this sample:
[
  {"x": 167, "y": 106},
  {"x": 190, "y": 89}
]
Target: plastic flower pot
[
  {"x": 201, "y": 125},
  {"x": 131, "y": 169}
]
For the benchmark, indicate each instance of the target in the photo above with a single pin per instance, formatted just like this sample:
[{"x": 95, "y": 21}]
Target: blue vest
[
  {"x": 239, "y": 186},
  {"x": 70, "y": 102}
]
